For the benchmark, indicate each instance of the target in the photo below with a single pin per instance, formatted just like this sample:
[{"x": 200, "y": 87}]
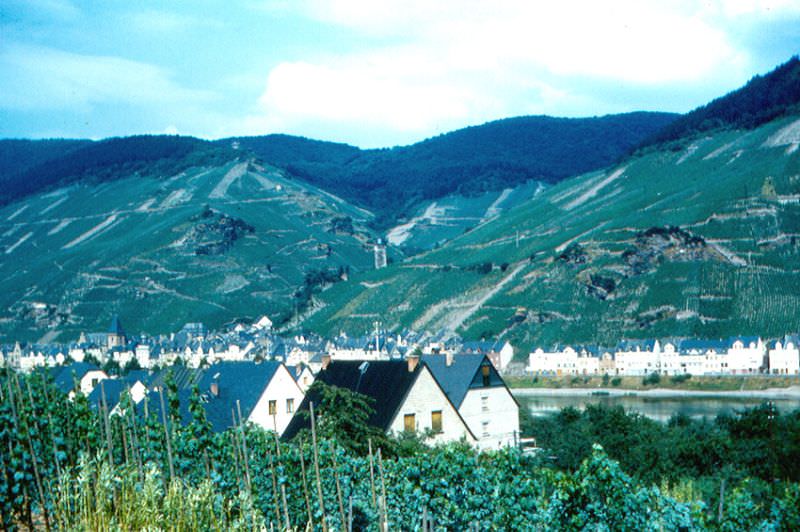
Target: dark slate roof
[
  {"x": 691, "y": 344},
  {"x": 112, "y": 388},
  {"x": 632, "y": 345},
  {"x": 152, "y": 404},
  {"x": 65, "y": 377},
  {"x": 482, "y": 346},
  {"x": 238, "y": 381},
  {"x": 462, "y": 375},
  {"x": 184, "y": 376},
  {"x": 141, "y": 375},
  {"x": 386, "y": 381},
  {"x": 116, "y": 326},
  {"x": 746, "y": 340},
  {"x": 296, "y": 371}
]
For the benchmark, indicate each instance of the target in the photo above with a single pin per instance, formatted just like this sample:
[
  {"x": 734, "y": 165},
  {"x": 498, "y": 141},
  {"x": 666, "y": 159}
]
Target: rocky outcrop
[
  {"x": 214, "y": 233},
  {"x": 656, "y": 244}
]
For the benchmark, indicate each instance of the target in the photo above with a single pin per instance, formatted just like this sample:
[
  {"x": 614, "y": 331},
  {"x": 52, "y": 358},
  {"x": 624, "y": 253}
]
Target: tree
[{"x": 343, "y": 415}]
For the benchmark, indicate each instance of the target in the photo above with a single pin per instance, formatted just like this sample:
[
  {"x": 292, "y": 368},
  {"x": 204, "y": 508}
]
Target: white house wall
[
  {"x": 280, "y": 388},
  {"x": 496, "y": 408},
  {"x": 425, "y": 397}
]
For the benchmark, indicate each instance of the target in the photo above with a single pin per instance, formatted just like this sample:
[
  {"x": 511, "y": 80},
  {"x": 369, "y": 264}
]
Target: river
[{"x": 658, "y": 406}]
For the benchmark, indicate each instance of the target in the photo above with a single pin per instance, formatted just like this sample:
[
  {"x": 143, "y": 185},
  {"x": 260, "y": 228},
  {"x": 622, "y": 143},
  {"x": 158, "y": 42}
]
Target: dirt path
[{"x": 456, "y": 319}]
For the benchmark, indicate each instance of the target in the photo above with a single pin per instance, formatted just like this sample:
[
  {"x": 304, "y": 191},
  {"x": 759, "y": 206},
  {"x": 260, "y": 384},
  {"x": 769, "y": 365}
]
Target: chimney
[
  {"x": 413, "y": 362},
  {"x": 214, "y": 389},
  {"x": 326, "y": 361},
  {"x": 448, "y": 358}
]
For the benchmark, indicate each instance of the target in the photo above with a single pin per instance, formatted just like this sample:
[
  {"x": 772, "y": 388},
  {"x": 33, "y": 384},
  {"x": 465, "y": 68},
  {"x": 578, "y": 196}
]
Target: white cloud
[
  {"x": 452, "y": 63},
  {"x": 38, "y": 78}
]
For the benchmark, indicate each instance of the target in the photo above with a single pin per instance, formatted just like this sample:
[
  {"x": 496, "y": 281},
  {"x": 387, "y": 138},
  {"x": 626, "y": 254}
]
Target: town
[{"x": 444, "y": 388}]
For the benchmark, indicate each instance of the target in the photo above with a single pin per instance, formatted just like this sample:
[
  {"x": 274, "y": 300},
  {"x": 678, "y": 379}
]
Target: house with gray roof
[
  {"x": 406, "y": 397},
  {"x": 480, "y": 395}
]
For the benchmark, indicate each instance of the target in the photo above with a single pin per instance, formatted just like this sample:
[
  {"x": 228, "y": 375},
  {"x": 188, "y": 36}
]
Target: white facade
[
  {"x": 746, "y": 358},
  {"x": 565, "y": 362},
  {"x": 502, "y": 358},
  {"x": 784, "y": 358},
  {"x": 424, "y": 400},
  {"x": 278, "y": 402},
  {"x": 492, "y": 415},
  {"x": 638, "y": 360},
  {"x": 555, "y": 362},
  {"x": 91, "y": 379}
]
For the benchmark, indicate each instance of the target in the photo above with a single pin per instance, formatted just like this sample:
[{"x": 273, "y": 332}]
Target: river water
[{"x": 658, "y": 408}]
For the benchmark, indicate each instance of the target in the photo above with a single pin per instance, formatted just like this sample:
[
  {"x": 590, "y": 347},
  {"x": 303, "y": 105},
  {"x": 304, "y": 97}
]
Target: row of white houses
[{"x": 734, "y": 356}]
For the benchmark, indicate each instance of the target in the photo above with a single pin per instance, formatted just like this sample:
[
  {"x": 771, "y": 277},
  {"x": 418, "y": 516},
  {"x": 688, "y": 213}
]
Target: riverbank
[
  {"x": 715, "y": 384},
  {"x": 791, "y": 392}
]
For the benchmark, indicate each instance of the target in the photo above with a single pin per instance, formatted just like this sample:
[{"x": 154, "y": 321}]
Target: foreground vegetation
[{"x": 68, "y": 466}]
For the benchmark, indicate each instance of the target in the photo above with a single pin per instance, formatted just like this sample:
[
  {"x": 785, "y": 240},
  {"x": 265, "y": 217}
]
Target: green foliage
[
  {"x": 652, "y": 379},
  {"x": 764, "y": 98},
  {"x": 342, "y": 415},
  {"x": 107, "y": 160},
  {"x": 246, "y": 479},
  {"x": 678, "y": 379},
  {"x": 469, "y": 161}
]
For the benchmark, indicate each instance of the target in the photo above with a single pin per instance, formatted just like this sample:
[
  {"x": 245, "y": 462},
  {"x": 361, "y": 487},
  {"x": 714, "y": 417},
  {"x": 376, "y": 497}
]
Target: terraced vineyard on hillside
[
  {"x": 210, "y": 244},
  {"x": 699, "y": 237}
]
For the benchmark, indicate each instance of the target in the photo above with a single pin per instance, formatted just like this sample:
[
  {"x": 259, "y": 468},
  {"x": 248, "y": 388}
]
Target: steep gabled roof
[
  {"x": 184, "y": 376},
  {"x": 112, "y": 389},
  {"x": 116, "y": 326},
  {"x": 387, "y": 382},
  {"x": 244, "y": 382},
  {"x": 461, "y": 375},
  {"x": 456, "y": 378},
  {"x": 692, "y": 344},
  {"x": 65, "y": 377}
]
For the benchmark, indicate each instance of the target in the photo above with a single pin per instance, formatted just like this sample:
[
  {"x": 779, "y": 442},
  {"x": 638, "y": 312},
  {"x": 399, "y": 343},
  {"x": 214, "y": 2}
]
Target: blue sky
[{"x": 371, "y": 73}]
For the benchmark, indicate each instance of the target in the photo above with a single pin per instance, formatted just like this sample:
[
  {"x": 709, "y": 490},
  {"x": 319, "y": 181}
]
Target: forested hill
[
  {"x": 467, "y": 161},
  {"x": 28, "y": 167},
  {"x": 762, "y": 99},
  {"x": 20, "y": 155}
]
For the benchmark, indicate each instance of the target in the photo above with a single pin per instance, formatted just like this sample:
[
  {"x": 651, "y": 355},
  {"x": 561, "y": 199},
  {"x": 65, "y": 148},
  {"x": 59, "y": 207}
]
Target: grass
[{"x": 695, "y": 383}]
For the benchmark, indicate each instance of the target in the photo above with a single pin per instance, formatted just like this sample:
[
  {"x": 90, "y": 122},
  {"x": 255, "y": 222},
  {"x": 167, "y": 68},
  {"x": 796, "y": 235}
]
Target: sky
[{"x": 373, "y": 73}]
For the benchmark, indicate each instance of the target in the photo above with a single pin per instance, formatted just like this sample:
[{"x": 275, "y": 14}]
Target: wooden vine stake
[
  {"x": 316, "y": 467},
  {"x": 305, "y": 484}
]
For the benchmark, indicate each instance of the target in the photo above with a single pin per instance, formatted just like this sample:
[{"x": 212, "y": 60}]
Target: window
[
  {"x": 409, "y": 423},
  {"x": 485, "y": 373},
  {"x": 273, "y": 407},
  {"x": 484, "y": 403},
  {"x": 485, "y": 429},
  {"x": 289, "y": 406},
  {"x": 436, "y": 421}
]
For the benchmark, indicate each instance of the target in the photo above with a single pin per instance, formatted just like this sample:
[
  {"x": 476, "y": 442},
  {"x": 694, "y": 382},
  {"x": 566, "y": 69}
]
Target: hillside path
[{"x": 458, "y": 318}]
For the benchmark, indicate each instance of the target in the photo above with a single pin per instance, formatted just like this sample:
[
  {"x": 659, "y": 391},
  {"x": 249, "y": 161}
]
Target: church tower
[
  {"x": 116, "y": 334},
  {"x": 380, "y": 254}
]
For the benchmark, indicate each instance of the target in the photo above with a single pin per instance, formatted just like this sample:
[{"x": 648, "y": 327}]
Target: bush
[
  {"x": 616, "y": 381},
  {"x": 677, "y": 379},
  {"x": 654, "y": 378}
]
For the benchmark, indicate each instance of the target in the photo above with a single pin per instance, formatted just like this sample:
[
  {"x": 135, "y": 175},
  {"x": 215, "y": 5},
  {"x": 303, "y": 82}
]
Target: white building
[
  {"x": 265, "y": 393},
  {"x": 746, "y": 355},
  {"x": 784, "y": 356},
  {"x": 475, "y": 388},
  {"x": 407, "y": 398}
]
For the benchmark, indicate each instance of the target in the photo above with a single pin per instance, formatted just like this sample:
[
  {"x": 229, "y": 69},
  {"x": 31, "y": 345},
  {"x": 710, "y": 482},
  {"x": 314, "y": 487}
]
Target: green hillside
[
  {"x": 700, "y": 240},
  {"x": 470, "y": 161},
  {"x": 234, "y": 240}
]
